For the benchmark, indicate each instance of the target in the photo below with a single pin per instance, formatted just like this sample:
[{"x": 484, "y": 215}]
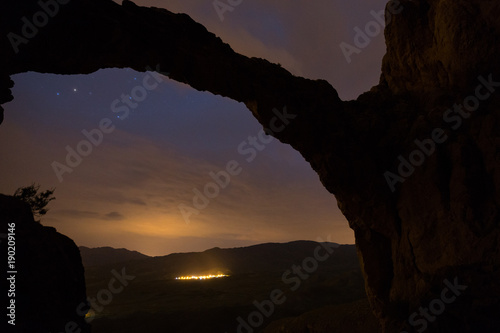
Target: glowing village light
[{"x": 201, "y": 277}]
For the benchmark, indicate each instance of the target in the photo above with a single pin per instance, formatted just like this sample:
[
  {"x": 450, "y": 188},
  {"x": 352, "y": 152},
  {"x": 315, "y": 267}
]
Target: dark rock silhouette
[
  {"x": 440, "y": 219},
  {"x": 352, "y": 317},
  {"x": 50, "y": 282}
]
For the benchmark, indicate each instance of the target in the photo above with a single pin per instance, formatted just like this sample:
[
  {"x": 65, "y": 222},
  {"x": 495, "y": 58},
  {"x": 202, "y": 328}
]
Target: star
[{"x": 74, "y": 89}]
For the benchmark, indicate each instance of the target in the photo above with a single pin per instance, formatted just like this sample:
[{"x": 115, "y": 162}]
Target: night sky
[{"x": 127, "y": 191}]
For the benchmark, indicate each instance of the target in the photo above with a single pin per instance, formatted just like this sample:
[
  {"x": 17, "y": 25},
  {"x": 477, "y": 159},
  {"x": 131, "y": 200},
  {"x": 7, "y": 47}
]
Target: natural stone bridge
[{"x": 413, "y": 163}]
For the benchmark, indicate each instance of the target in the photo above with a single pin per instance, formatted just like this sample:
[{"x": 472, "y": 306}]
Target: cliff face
[
  {"x": 414, "y": 163},
  {"x": 49, "y": 286},
  {"x": 445, "y": 216}
]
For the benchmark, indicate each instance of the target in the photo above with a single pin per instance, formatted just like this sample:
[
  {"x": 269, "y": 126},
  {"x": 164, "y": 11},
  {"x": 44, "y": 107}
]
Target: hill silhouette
[
  {"x": 154, "y": 299},
  {"x": 107, "y": 255}
]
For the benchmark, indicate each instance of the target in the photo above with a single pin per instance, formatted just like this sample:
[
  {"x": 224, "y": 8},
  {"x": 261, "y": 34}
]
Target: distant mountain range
[
  {"x": 107, "y": 255},
  {"x": 310, "y": 275},
  {"x": 255, "y": 258}
]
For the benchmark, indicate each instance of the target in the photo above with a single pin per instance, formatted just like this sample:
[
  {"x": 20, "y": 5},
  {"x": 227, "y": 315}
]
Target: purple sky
[{"x": 127, "y": 191}]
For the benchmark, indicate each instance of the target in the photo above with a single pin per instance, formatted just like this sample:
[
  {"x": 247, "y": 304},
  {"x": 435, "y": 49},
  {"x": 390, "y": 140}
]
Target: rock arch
[{"x": 413, "y": 163}]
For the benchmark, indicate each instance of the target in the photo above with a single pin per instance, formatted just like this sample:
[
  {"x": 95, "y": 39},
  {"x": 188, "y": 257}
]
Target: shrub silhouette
[{"x": 37, "y": 201}]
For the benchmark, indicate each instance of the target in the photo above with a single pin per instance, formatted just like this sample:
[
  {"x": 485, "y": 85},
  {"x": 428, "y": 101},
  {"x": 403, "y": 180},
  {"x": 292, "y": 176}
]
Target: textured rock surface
[
  {"x": 50, "y": 283},
  {"x": 442, "y": 222},
  {"x": 355, "y": 317}
]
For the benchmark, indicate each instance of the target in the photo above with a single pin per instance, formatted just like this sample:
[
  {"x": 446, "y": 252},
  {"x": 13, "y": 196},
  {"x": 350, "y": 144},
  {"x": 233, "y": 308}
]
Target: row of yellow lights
[{"x": 200, "y": 277}]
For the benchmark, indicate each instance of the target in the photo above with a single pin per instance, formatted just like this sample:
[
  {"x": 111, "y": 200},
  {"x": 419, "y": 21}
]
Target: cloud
[
  {"x": 303, "y": 36},
  {"x": 74, "y": 213},
  {"x": 82, "y": 214},
  {"x": 130, "y": 188},
  {"x": 127, "y": 191},
  {"x": 114, "y": 216}
]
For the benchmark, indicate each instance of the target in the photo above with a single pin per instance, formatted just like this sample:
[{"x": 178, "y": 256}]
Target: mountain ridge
[
  {"x": 91, "y": 255},
  {"x": 105, "y": 255},
  {"x": 310, "y": 275}
]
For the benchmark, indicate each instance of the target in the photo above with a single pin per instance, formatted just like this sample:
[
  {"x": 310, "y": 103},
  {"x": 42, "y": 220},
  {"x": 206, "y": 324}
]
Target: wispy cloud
[
  {"x": 81, "y": 214},
  {"x": 128, "y": 190},
  {"x": 74, "y": 213},
  {"x": 114, "y": 216}
]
